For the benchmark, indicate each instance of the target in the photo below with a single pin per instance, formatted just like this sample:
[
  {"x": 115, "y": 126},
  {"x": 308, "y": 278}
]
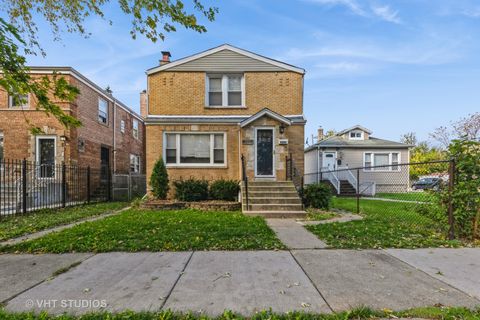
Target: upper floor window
[
  {"x": 225, "y": 90},
  {"x": 102, "y": 111},
  {"x": 122, "y": 126},
  {"x": 135, "y": 128},
  {"x": 18, "y": 100},
  {"x": 356, "y": 135}
]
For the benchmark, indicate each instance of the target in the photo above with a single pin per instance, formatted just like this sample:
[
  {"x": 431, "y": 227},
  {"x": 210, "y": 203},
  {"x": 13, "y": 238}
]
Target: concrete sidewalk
[{"x": 212, "y": 281}]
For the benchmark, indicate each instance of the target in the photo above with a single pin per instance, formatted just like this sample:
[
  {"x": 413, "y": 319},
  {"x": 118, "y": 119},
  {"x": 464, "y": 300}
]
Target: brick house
[
  {"x": 111, "y": 133},
  {"x": 203, "y": 112}
]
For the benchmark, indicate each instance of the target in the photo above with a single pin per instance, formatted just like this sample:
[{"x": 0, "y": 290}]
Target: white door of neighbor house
[{"x": 329, "y": 161}]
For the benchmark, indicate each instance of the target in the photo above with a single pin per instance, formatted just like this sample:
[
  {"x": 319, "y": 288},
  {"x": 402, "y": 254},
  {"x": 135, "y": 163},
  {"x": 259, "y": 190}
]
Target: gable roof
[
  {"x": 265, "y": 112},
  {"x": 356, "y": 127},
  {"x": 262, "y": 63},
  {"x": 338, "y": 142}
]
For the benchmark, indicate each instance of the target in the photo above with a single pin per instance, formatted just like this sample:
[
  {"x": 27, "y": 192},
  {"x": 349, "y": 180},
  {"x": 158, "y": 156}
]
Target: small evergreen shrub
[
  {"x": 191, "y": 190},
  {"x": 224, "y": 190},
  {"x": 159, "y": 180},
  {"x": 318, "y": 195}
]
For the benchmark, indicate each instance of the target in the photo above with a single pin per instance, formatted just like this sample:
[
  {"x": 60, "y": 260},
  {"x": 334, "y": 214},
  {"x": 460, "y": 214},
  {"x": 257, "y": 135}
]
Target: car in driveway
[{"x": 427, "y": 184}]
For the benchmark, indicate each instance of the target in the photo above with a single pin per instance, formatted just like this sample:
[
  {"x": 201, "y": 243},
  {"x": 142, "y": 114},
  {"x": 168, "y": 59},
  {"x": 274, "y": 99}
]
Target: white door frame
[
  {"x": 334, "y": 158},
  {"x": 273, "y": 149}
]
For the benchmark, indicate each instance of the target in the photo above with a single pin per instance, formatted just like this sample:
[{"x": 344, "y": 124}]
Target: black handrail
[
  {"x": 245, "y": 180},
  {"x": 292, "y": 173}
]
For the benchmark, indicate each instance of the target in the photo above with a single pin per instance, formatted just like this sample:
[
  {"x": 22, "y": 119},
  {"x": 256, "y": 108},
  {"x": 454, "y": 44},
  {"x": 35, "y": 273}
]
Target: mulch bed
[{"x": 211, "y": 205}]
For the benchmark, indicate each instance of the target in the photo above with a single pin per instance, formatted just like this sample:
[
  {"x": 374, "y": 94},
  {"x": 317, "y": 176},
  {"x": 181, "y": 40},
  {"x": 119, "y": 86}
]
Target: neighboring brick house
[
  {"x": 111, "y": 133},
  {"x": 205, "y": 111}
]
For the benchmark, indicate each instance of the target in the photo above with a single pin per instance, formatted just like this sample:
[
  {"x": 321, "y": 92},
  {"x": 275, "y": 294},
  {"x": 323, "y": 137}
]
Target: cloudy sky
[{"x": 391, "y": 66}]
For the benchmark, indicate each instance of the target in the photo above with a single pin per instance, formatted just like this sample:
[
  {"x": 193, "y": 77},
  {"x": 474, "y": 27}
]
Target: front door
[
  {"x": 46, "y": 157},
  {"x": 264, "y": 153},
  {"x": 328, "y": 161}
]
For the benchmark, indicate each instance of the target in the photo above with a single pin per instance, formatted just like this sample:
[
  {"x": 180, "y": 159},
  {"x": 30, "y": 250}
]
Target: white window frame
[
  {"x": 122, "y": 126},
  {"x": 138, "y": 163},
  {"x": 10, "y": 101},
  {"x": 356, "y": 138},
  {"x": 195, "y": 165},
  {"x": 135, "y": 131},
  {"x": 98, "y": 113},
  {"x": 390, "y": 157},
  {"x": 224, "y": 77},
  {"x": 37, "y": 154}
]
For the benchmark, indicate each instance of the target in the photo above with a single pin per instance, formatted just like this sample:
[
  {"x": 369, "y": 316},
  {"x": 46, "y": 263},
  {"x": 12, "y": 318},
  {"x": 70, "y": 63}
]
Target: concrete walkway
[
  {"x": 212, "y": 281},
  {"x": 36, "y": 235},
  {"x": 294, "y": 235}
]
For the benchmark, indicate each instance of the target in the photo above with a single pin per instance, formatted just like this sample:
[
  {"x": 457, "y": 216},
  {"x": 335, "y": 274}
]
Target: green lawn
[
  {"x": 421, "y": 196},
  {"x": 385, "y": 225},
  {"x": 146, "y": 230},
  {"x": 15, "y": 226},
  {"x": 446, "y": 313},
  {"x": 319, "y": 215}
]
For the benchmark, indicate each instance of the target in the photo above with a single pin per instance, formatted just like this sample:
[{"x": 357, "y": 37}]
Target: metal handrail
[
  {"x": 349, "y": 176},
  {"x": 332, "y": 177},
  {"x": 245, "y": 180}
]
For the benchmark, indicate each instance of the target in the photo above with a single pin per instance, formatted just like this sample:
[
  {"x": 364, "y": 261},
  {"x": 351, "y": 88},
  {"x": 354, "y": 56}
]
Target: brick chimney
[
  {"x": 320, "y": 134},
  {"x": 143, "y": 103},
  {"x": 165, "y": 57}
]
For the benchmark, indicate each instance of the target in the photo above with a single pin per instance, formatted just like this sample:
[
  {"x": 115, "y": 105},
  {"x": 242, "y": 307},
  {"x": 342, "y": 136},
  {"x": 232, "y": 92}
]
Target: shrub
[
  {"x": 224, "y": 190},
  {"x": 191, "y": 190},
  {"x": 159, "y": 180},
  {"x": 318, "y": 195}
]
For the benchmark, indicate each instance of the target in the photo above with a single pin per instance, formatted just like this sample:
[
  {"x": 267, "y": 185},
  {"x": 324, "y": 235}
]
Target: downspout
[{"x": 114, "y": 136}]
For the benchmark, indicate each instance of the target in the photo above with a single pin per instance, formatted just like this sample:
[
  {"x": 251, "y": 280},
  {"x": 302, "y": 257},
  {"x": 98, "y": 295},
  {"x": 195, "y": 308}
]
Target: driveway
[{"x": 242, "y": 281}]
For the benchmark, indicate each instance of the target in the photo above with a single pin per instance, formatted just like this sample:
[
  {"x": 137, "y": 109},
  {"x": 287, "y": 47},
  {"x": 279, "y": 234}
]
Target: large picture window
[
  {"x": 195, "y": 149},
  {"x": 388, "y": 161},
  {"x": 225, "y": 90}
]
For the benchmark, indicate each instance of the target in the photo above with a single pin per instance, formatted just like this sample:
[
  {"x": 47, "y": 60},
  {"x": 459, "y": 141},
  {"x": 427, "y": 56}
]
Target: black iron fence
[
  {"x": 413, "y": 194},
  {"x": 28, "y": 186}
]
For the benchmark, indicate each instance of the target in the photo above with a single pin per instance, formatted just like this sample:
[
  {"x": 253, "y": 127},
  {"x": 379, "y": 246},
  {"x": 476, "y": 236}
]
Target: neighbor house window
[
  {"x": 356, "y": 135},
  {"x": 18, "y": 100},
  {"x": 135, "y": 128},
  {"x": 386, "y": 161},
  {"x": 1, "y": 146},
  {"x": 134, "y": 163},
  {"x": 202, "y": 149},
  {"x": 225, "y": 90},
  {"x": 122, "y": 126},
  {"x": 102, "y": 111}
]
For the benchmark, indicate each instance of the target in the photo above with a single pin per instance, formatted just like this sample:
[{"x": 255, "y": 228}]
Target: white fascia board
[{"x": 226, "y": 47}]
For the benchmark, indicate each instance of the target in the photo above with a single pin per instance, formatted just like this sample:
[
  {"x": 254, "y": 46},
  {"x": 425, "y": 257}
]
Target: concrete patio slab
[
  {"x": 244, "y": 282},
  {"x": 294, "y": 235},
  {"x": 457, "y": 267},
  {"x": 349, "y": 278},
  {"x": 109, "y": 281},
  {"x": 21, "y": 272}
]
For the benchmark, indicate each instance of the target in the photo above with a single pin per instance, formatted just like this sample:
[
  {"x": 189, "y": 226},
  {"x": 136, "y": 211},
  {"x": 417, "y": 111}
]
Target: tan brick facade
[{"x": 76, "y": 146}]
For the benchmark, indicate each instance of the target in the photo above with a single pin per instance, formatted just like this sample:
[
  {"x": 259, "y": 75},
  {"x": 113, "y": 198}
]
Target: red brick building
[{"x": 111, "y": 133}]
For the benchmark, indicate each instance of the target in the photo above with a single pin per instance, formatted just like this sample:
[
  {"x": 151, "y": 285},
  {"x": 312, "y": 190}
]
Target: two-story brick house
[
  {"x": 205, "y": 111},
  {"x": 111, "y": 133}
]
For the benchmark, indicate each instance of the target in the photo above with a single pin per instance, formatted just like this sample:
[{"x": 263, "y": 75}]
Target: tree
[
  {"x": 151, "y": 18},
  {"x": 159, "y": 180},
  {"x": 467, "y": 128},
  {"x": 409, "y": 138}
]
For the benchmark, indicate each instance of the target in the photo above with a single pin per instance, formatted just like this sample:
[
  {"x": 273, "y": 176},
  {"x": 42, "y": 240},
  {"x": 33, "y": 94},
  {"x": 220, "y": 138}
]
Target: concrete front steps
[{"x": 272, "y": 199}]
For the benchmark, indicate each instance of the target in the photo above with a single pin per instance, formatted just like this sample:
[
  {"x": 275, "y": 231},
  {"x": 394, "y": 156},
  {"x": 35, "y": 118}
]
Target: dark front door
[
  {"x": 104, "y": 162},
  {"x": 46, "y": 157},
  {"x": 264, "y": 146}
]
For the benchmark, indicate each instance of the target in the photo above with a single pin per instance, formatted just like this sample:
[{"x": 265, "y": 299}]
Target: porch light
[
  {"x": 282, "y": 128},
  {"x": 63, "y": 138}
]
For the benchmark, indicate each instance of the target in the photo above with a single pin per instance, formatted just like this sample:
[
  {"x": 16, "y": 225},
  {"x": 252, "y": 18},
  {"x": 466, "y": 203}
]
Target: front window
[
  {"x": 46, "y": 157},
  {"x": 134, "y": 163},
  {"x": 225, "y": 90},
  {"x": 18, "y": 101},
  {"x": 381, "y": 161},
  {"x": 195, "y": 148},
  {"x": 103, "y": 111},
  {"x": 135, "y": 128}
]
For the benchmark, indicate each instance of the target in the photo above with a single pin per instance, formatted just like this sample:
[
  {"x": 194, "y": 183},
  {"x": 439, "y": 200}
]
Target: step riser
[
  {"x": 274, "y": 201},
  {"x": 274, "y": 207},
  {"x": 271, "y": 194},
  {"x": 276, "y": 214},
  {"x": 269, "y": 188}
]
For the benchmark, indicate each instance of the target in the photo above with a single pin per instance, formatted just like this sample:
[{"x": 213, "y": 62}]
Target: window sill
[
  {"x": 225, "y": 107},
  {"x": 103, "y": 123}
]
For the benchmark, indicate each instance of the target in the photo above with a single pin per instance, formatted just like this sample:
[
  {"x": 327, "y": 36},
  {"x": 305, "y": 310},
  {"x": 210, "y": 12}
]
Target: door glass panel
[
  {"x": 46, "y": 157},
  {"x": 264, "y": 152}
]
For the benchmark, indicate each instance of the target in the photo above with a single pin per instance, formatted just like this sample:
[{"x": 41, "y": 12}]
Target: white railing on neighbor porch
[
  {"x": 327, "y": 174},
  {"x": 344, "y": 173}
]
